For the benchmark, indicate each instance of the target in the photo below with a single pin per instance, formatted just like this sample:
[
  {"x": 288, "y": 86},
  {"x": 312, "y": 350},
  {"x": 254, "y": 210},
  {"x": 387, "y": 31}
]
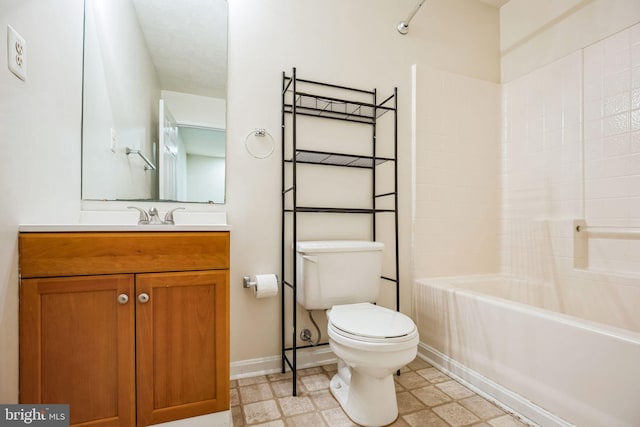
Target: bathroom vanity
[{"x": 127, "y": 327}]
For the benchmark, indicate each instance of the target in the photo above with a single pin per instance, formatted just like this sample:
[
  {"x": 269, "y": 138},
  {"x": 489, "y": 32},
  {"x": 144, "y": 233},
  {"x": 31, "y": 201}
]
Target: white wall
[
  {"x": 612, "y": 148},
  {"x": 457, "y": 202},
  {"x": 571, "y": 147},
  {"x": 536, "y": 33},
  {"x": 571, "y": 155},
  {"x": 542, "y": 168},
  {"x": 196, "y": 110},
  {"x": 203, "y": 173},
  {"x": 350, "y": 43},
  {"x": 39, "y": 145},
  {"x": 612, "y": 129},
  {"x": 121, "y": 90}
]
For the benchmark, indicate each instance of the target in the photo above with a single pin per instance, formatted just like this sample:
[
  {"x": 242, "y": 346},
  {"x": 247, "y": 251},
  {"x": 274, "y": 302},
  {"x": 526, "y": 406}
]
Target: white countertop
[
  {"x": 68, "y": 228},
  {"x": 98, "y": 221}
]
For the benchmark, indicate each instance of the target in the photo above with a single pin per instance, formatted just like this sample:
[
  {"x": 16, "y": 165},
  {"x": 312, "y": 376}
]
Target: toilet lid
[{"x": 370, "y": 321}]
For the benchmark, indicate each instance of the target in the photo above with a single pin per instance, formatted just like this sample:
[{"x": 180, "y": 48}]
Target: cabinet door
[
  {"x": 182, "y": 344},
  {"x": 77, "y": 347}
]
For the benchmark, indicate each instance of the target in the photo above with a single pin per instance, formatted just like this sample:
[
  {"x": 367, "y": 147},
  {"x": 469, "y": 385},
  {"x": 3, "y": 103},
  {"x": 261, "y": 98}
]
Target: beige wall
[
  {"x": 351, "y": 43},
  {"x": 119, "y": 100},
  {"x": 456, "y": 227},
  {"x": 39, "y": 145},
  {"x": 536, "y": 33}
]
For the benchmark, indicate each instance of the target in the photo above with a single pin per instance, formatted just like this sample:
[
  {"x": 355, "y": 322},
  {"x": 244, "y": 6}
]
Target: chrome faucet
[
  {"x": 152, "y": 216},
  {"x": 168, "y": 217},
  {"x": 144, "y": 216}
]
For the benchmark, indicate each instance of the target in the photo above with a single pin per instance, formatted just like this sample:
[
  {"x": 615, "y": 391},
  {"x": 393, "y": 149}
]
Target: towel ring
[{"x": 259, "y": 143}]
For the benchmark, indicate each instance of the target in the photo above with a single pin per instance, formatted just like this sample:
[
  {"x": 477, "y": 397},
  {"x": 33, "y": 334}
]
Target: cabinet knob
[
  {"x": 143, "y": 298},
  {"x": 123, "y": 298}
]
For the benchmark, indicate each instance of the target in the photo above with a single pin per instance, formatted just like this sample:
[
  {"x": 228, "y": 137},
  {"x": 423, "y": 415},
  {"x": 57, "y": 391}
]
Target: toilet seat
[{"x": 365, "y": 322}]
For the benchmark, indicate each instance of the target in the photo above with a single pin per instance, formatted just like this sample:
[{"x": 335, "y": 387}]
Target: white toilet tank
[{"x": 336, "y": 272}]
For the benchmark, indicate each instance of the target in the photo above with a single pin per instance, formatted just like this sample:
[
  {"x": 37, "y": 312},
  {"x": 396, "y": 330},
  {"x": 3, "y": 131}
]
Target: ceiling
[{"x": 187, "y": 40}]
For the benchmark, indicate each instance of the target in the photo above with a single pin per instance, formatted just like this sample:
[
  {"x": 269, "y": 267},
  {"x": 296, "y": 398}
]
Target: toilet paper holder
[{"x": 248, "y": 283}]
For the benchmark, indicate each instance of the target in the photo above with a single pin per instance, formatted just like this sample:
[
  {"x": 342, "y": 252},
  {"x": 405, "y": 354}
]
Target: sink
[
  {"x": 128, "y": 221},
  {"x": 198, "y": 218},
  {"x": 130, "y": 217}
]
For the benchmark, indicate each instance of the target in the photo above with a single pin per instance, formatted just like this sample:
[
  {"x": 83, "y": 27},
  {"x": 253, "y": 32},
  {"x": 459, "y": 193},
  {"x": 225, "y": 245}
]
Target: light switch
[{"x": 16, "y": 53}]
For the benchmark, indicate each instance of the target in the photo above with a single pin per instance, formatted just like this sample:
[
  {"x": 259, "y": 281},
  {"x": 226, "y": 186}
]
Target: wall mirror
[{"x": 154, "y": 100}]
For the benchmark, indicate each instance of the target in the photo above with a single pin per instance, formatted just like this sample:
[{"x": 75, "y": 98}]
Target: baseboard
[
  {"x": 306, "y": 358},
  {"x": 508, "y": 400}
]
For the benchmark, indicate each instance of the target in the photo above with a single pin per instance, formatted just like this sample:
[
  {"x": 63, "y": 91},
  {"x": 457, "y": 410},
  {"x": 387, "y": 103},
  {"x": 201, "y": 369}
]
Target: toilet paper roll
[{"x": 266, "y": 285}]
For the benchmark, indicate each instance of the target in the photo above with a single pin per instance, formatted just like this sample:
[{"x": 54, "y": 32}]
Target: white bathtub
[{"x": 524, "y": 344}]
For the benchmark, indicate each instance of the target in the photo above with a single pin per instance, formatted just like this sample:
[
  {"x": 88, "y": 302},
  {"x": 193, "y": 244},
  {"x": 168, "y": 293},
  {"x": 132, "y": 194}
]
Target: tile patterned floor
[{"x": 426, "y": 397}]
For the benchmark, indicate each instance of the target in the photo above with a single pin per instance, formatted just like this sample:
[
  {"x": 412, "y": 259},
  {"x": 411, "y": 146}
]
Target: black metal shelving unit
[{"x": 302, "y": 97}]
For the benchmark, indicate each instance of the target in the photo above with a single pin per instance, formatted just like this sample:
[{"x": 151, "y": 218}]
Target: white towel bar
[{"x": 608, "y": 229}]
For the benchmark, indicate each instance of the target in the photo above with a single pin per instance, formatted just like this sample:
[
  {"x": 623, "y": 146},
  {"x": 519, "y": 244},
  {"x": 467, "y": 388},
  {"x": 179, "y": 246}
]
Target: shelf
[
  {"x": 338, "y": 159},
  {"x": 334, "y": 108},
  {"x": 308, "y": 209},
  {"x": 308, "y": 98},
  {"x": 325, "y": 85}
]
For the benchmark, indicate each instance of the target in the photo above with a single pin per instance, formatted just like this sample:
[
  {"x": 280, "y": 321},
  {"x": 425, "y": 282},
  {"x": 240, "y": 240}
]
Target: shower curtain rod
[{"x": 403, "y": 26}]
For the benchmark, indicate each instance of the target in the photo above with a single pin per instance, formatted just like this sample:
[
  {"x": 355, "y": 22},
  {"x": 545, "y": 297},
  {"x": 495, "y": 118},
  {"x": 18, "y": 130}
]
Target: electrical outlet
[{"x": 16, "y": 53}]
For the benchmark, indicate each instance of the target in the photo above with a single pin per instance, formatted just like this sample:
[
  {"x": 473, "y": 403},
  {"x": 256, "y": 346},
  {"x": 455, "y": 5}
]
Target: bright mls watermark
[{"x": 34, "y": 415}]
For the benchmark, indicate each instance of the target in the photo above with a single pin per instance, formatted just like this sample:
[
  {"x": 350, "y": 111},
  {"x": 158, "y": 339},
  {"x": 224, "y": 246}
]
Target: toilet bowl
[{"x": 371, "y": 343}]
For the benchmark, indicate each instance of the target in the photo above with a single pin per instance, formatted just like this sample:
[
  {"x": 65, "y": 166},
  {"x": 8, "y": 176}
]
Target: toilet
[{"x": 370, "y": 341}]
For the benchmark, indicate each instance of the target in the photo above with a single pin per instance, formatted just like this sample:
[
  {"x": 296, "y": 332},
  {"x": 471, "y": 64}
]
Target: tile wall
[
  {"x": 541, "y": 165},
  {"x": 457, "y": 178},
  {"x": 571, "y": 151},
  {"x": 612, "y": 147}
]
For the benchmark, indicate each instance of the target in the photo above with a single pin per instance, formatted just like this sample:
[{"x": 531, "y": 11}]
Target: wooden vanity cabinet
[
  {"x": 77, "y": 347},
  {"x": 128, "y": 328}
]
